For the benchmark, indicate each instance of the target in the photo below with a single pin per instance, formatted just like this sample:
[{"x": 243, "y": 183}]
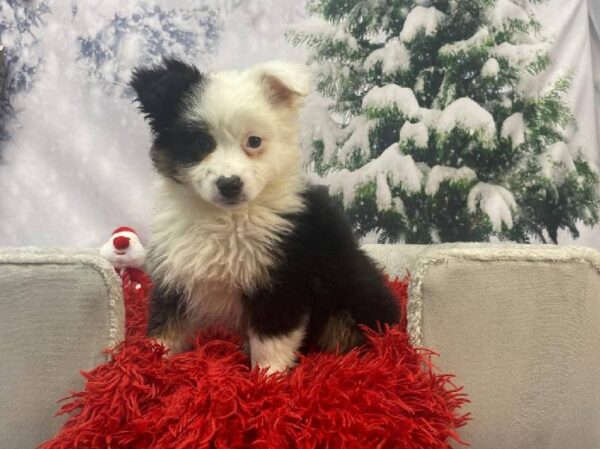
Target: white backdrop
[
  {"x": 76, "y": 165},
  {"x": 570, "y": 22},
  {"x": 594, "y": 24}
]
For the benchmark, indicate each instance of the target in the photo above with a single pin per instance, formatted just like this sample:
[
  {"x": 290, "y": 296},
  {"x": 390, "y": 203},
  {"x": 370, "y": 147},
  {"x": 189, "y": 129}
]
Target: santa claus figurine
[{"x": 126, "y": 253}]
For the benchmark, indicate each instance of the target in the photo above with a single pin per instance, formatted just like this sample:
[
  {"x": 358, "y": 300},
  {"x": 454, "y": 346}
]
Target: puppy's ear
[
  {"x": 284, "y": 83},
  {"x": 161, "y": 88}
]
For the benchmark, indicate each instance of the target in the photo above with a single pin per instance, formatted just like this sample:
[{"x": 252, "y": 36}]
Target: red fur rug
[{"x": 386, "y": 395}]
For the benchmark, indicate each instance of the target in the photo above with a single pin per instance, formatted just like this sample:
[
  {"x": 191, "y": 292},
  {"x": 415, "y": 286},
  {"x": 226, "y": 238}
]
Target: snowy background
[{"x": 74, "y": 150}]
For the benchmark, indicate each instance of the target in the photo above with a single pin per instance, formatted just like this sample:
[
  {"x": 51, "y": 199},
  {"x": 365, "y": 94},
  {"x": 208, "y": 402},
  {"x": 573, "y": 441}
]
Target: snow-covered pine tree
[
  {"x": 435, "y": 128},
  {"x": 21, "y": 57},
  {"x": 145, "y": 32}
]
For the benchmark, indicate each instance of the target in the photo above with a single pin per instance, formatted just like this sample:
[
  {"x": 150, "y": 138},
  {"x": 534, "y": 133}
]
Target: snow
[
  {"x": 519, "y": 54},
  {"x": 399, "y": 168},
  {"x": 376, "y": 37},
  {"x": 398, "y": 206},
  {"x": 495, "y": 201},
  {"x": 417, "y": 132},
  {"x": 467, "y": 114},
  {"x": 267, "y": 22},
  {"x": 557, "y": 163},
  {"x": 476, "y": 40},
  {"x": 394, "y": 57},
  {"x": 430, "y": 117},
  {"x": 491, "y": 68},
  {"x": 371, "y": 237},
  {"x": 504, "y": 11},
  {"x": 358, "y": 130},
  {"x": 402, "y": 98},
  {"x": 317, "y": 124},
  {"x": 440, "y": 173},
  {"x": 326, "y": 30},
  {"x": 383, "y": 194},
  {"x": 332, "y": 71},
  {"x": 421, "y": 18},
  {"x": 514, "y": 128},
  {"x": 420, "y": 83}
]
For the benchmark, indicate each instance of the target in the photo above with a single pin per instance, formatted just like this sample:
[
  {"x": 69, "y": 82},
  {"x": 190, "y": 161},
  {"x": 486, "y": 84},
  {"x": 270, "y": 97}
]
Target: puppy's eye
[
  {"x": 254, "y": 142},
  {"x": 203, "y": 144}
]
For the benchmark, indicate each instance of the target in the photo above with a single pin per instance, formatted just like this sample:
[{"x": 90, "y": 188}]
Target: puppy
[{"x": 239, "y": 238}]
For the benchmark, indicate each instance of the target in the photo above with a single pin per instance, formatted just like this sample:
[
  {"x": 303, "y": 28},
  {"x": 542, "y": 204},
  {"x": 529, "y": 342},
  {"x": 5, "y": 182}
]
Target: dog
[{"x": 239, "y": 238}]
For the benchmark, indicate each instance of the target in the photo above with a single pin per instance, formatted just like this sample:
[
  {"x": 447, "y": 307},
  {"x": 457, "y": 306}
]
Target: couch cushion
[
  {"x": 58, "y": 310},
  {"x": 520, "y": 327}
]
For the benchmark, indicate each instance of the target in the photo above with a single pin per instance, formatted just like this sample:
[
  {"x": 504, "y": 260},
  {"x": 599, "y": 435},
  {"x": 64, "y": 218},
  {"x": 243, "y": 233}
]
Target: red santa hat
[{"x": 124, "y": 229}]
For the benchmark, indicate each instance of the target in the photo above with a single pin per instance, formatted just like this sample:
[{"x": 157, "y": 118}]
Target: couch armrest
[
  {"x": 520, "y": 327},
  {"x": 58, "y": 310}
]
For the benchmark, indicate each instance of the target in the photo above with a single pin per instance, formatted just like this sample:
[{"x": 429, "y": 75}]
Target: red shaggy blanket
[{"x": 386, "y": 395}]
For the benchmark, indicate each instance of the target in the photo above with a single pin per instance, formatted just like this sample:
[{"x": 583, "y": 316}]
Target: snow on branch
[
  {"x": 394, "y": 56},
  {"x": 358, "y": 131},
  {"x": 322, "y": 29},
  {"x": 474, "y": 41},
  {"x": 440, "y": 173},
  {"x": 491, "y": 68},
  {"x": 392, "y": 95},
  {"x": 417, "y": 132},
  {"x": 421, "y": 18},
  {"x": 430, "y": 117},
  {"x": 504, "y": 11},
  {"x": 330, "y": 70},
  {"x": 514, "y": 128},
  {"x": 391, "y": 164},
  {"x": 519, "y": 54},
  {"x": 557, "y": 163},
  {"x": 467, "y": 114},
  {"x": 318, "y": 125},
  {"x": 383, "y": 193},
  {"x": 495, "y": 201}
]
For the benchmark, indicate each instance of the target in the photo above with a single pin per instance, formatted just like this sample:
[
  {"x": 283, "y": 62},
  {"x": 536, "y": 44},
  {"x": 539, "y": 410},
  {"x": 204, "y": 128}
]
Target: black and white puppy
[{"x": 239, "y": 239}]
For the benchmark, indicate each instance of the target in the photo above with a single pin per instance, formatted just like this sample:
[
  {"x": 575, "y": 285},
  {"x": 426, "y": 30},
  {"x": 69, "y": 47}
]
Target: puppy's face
[{"x": 225, "y": 135}]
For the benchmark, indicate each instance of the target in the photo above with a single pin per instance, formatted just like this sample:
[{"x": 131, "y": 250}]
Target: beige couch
[{"x": 518, "y": 325}]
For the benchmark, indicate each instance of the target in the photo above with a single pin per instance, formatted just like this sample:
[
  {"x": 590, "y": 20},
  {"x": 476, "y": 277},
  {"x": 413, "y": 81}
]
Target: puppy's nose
[{"x": 229, "y": 187}]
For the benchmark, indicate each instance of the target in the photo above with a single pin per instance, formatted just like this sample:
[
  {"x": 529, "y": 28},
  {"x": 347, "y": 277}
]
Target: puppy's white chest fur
[
  {"x": 216, "y": 304},
  {"x": 213, "y": 255}
]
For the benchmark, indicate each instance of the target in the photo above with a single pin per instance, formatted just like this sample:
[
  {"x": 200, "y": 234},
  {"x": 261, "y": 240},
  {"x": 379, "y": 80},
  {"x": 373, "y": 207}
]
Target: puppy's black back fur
[{"x": 323, "y": 274}]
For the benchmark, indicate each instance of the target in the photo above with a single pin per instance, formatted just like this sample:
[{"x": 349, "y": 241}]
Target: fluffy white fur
[{"x": 211, "y": 250}]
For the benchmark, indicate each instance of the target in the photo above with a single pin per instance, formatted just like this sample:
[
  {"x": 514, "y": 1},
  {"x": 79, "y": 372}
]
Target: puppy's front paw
[
  {"x": 274, "y": 367},
  {"x": 275, "y": 353}
]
